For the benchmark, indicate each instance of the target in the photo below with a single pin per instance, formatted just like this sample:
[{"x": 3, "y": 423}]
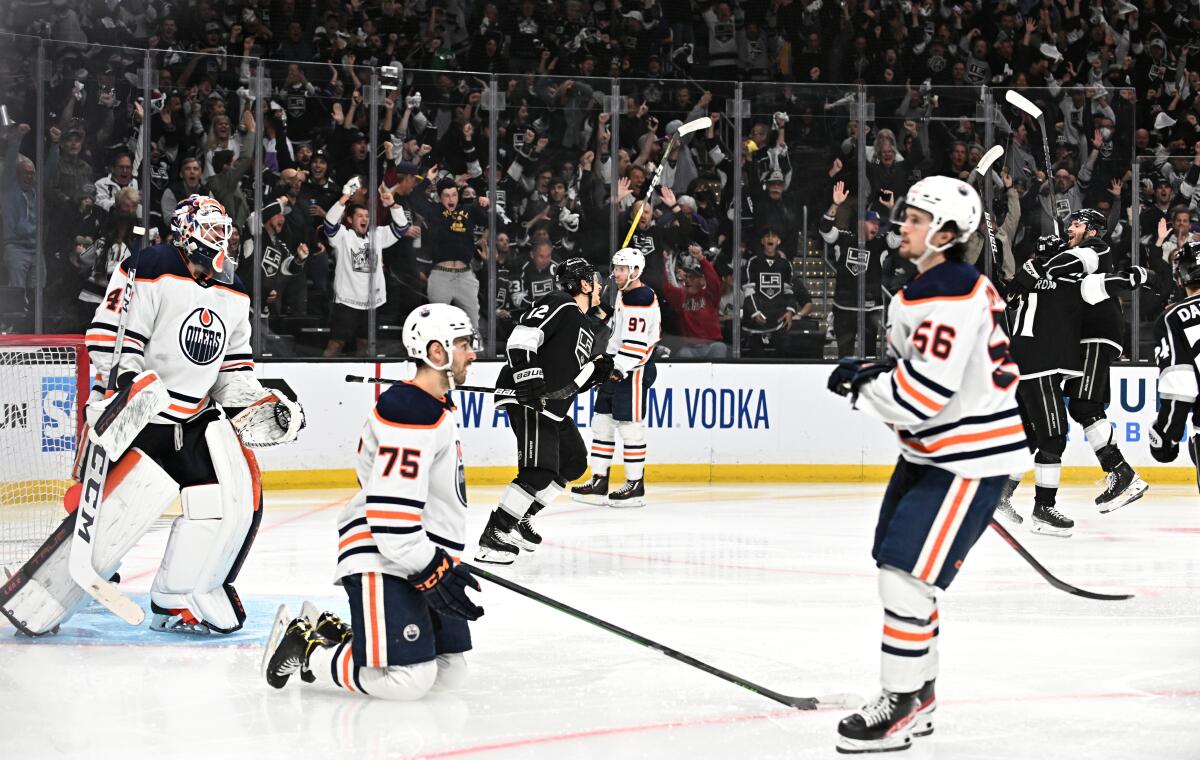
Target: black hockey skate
[
  {"x": 632, "y": 494},
  {"x": 288, "y": 653},
  {"x": 883, "y": 725},
  {"x": 326, "y": 624},
  {"x": 1122, "y": 486},
  {"x": 927, "y": 699},
  {"x": 1048, "y": 520},
  {"x": 595, "y": 491},
  {"x": 524, "y": 535},
  {"x": 1005, "y": 507},
  {"x": 496, "y": 546}
]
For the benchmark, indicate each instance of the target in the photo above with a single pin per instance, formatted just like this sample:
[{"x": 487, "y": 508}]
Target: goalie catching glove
[
  {"x": 271, "y": 420},
  {"x": 443, "y": 583}
]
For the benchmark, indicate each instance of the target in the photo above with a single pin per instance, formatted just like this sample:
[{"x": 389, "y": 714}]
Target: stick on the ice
[
  {"x": 95, "y": 473},
  {"x": 1054, "y": 581},
  {"x": 1025, "y": 105},
  {"x": 695, "y": 125},
  {"x": 800, "y": 703}
]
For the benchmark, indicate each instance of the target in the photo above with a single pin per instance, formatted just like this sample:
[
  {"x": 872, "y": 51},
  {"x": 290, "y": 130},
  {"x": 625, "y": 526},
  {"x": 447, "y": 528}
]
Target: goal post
[{"x": 44, "y": 383}]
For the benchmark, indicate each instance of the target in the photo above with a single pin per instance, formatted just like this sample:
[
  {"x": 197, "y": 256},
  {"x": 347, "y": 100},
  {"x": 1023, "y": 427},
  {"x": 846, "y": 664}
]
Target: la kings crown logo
[{"x": 202, "y": 336}]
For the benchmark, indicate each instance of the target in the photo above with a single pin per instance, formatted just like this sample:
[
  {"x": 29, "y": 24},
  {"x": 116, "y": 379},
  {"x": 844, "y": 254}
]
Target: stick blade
[
  {"x": 1017, "y": 100},
  {"x": 985, "y": 162},
  {"x": 704, "y": 122}
]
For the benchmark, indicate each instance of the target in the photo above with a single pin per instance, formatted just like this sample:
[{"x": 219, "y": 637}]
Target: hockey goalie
[{"x": 160, "y": 431}]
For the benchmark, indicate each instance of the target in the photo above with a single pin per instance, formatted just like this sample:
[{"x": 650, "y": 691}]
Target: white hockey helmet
[
  {"x": 632, "y": 258},
  {"x": 207, "y": 240},
  {"x": 947, "y": 199},
  {"x": 439, "y": 322}
]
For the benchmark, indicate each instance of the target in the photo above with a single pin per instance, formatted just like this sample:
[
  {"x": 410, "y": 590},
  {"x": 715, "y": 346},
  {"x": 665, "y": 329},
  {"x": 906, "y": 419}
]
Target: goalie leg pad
[
  {"x": 136, "y": 493},
  {"x": 633, "y": 442},
  {"x": 211, "y": 538}
]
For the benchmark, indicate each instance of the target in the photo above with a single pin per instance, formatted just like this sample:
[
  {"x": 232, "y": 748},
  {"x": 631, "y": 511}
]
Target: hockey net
[{"x": 43, "y": 384}]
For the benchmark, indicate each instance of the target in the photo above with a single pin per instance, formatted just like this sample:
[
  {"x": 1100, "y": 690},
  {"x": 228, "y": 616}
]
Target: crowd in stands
[{"x": 1119, "y": 84}]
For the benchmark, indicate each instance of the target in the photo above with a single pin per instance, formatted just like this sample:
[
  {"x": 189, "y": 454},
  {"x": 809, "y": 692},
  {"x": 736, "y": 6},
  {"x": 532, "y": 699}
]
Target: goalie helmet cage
[{"x": 44, "y": 384}]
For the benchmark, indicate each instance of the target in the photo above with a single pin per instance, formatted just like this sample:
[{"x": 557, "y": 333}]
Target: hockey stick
[
  {"x": 704, "y": 122},
  {"x": 1024, "y": 104},
  {"x": 981, "y": 169},
  {"x": 800, "y": 703},
  {"x": 567, "y": 391},
  {"x": 95, "y": 472},
  {"x": 1057, "y": 583}
]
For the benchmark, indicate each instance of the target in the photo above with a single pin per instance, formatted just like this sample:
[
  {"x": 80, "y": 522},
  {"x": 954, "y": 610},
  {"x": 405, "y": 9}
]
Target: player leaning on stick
[
  {"x": 548, "y": 350},
  {"x": 185, "y": 355},
  {"x": 1178, "y": 355},
  {"x": 948, "y": 390},
  {"x": 398, "y": 539},
  {"x": 621, "y": 399}
]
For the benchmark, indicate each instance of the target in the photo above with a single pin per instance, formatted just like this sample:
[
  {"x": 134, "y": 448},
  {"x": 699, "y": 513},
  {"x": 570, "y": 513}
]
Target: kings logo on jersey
[
  {"x": 202, "y": 336},
  {"x": 857, "y": 260},
  {"x": 583, "y": 348},
  {"x": 770, "y": 284}
]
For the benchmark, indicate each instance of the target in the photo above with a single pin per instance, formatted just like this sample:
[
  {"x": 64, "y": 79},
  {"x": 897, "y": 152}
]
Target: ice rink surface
[{"x": 771, "y": 582}]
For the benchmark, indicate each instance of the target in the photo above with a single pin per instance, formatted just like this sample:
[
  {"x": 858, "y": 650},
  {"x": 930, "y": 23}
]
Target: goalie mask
[
  {"x": 206, "y": 241},
  {"x": 182, "y": 218},
  {"x": 632, "y": 258},
  {"x": 438, "y": 322}
]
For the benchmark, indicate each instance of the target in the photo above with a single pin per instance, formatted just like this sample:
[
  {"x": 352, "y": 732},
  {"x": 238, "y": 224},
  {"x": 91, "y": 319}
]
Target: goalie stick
[
  {"x": 800, "y": 703},
  {"x": 695, "y": 125},
  {"x": 1026, "y": 106},
  {"x": 1053, "y": 580},
  {"x": 94, "y": 473}
]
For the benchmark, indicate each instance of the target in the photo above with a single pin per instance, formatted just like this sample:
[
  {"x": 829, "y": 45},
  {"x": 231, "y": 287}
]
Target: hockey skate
[
  {"x": 595, "y": 491},
  {"x": 1005, "y": 508},
  {"x": 927, "y": 699},
  {"x": 882, "y": 725},
  {"x": 288, "y": 652},
  {"x": 632, "y": 494},
  {"x": 176, "y": 621},
  {"x": 1122, "y": 486},
  {"x": 326, "y": 624},
  {"x": 1049, "y": 521},
  {"x": 496, "y": 546},
  {"x": 524, "y": 535}
]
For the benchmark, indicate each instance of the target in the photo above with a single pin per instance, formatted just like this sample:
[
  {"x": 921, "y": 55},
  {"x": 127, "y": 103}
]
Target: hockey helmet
[
  {"x": 948, "y": 200},
  {"x": 1091, "y": 219},
  {"x": 207, "y": 240},
  {"x": 182, "y": 217},
  {"x": 439, "y": 322},
  {"x": 572, "y": 272},
  {"x": 632, "y": 258},
  {"x": 1187, "y": 264}
]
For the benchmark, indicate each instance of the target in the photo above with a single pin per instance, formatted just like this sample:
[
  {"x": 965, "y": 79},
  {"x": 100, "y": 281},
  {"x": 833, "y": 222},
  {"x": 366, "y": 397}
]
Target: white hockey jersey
[
  {"x": 352, "y": 266},
  {"x": 951, "y": 397},
  {"x": 195, "y": 337},
  {"x": 636, "y": 328},
  {"x": 413, "y": 492}
]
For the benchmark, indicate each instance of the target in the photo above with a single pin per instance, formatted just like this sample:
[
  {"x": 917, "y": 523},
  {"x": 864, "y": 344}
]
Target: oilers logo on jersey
[{"x": 202, "y": 336}]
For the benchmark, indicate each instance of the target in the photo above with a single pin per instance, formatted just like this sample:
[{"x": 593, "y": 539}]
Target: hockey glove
[
  {"x": 602, "y": 369},
  {"x": 1162, "y": 450},
  {"x": 530, "y": 386},
  {"x": 1048, "y": 246},
  {"x": 1134, "y": 278},
  {"x": 851, "y": 372},
  {"x": 443, "y": 583}
]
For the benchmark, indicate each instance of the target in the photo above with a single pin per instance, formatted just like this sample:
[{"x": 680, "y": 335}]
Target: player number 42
[
  {"x": 934, "y": 339},
  {"x": 410, "y": 463}
]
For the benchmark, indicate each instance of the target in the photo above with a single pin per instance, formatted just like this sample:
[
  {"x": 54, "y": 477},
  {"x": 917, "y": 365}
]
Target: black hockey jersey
[
  {"x": 1046, "y": 315},
  {"x": 1103, "y": 322},
  {"x": 535, "y": 284},
  {"x": 556, "y": 336},
  {"x": 850, "y": 262},
  {"x": 767, "y": 290},
  {"x": 1178, "y": 370}
]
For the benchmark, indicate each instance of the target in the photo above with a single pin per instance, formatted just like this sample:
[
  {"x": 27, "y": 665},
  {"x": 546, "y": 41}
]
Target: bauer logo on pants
[{"x": 202, "y": 336}]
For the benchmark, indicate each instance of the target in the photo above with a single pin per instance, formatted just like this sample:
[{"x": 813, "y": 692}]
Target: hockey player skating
[
  {"x": 1178, "y": 355},
  {"x": 621, "y": 399},
  {"x": 549, "y": 350},
  {"x": 185, "y": 355},
  {"x": 399, "y": 540},
  {"x": 948, "y": 390}
]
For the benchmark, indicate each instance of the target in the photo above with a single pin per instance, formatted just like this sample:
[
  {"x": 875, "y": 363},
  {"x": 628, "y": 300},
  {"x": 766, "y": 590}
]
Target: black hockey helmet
[
  {"x": 1187, "y": 264},
  {"x": 1092, "y": 219},
  {"x": 572, "y": 272}
]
